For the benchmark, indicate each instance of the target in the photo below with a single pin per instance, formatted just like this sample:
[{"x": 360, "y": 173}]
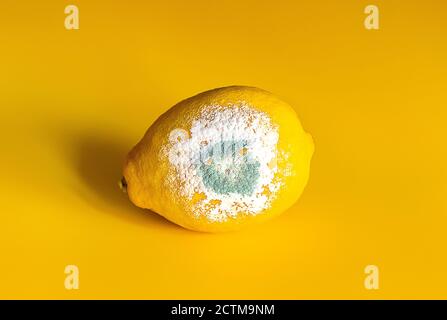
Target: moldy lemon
[{"x": 220, "y": 160}]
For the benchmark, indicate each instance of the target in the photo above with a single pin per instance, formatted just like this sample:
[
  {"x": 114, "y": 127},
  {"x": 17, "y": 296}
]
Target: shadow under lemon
[{"x": 99, "y": 164}]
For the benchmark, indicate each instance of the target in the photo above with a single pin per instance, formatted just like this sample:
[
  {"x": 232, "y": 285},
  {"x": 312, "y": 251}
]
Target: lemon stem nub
[{"x": 123, "y": 185}]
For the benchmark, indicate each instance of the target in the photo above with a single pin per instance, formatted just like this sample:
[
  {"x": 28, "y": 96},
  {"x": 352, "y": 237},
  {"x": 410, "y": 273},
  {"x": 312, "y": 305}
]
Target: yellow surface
[{"x": 74, "y": 102}]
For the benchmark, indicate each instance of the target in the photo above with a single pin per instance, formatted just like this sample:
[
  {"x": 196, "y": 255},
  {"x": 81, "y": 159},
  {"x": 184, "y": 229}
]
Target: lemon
[{"x": 221, "y": 160}]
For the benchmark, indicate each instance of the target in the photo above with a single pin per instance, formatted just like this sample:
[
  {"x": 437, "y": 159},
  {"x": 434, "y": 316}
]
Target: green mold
[{"x": 225, "y": 168}]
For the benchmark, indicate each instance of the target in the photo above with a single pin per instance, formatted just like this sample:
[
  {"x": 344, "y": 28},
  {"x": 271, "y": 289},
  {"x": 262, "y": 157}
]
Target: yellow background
[{"x": 74, "y": 102}]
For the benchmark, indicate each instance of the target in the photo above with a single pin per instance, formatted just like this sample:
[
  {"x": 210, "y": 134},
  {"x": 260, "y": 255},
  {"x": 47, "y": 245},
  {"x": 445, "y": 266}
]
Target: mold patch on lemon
[
  {"x": 230, "y": 173},
  {"x": 226, "y": 158}
]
